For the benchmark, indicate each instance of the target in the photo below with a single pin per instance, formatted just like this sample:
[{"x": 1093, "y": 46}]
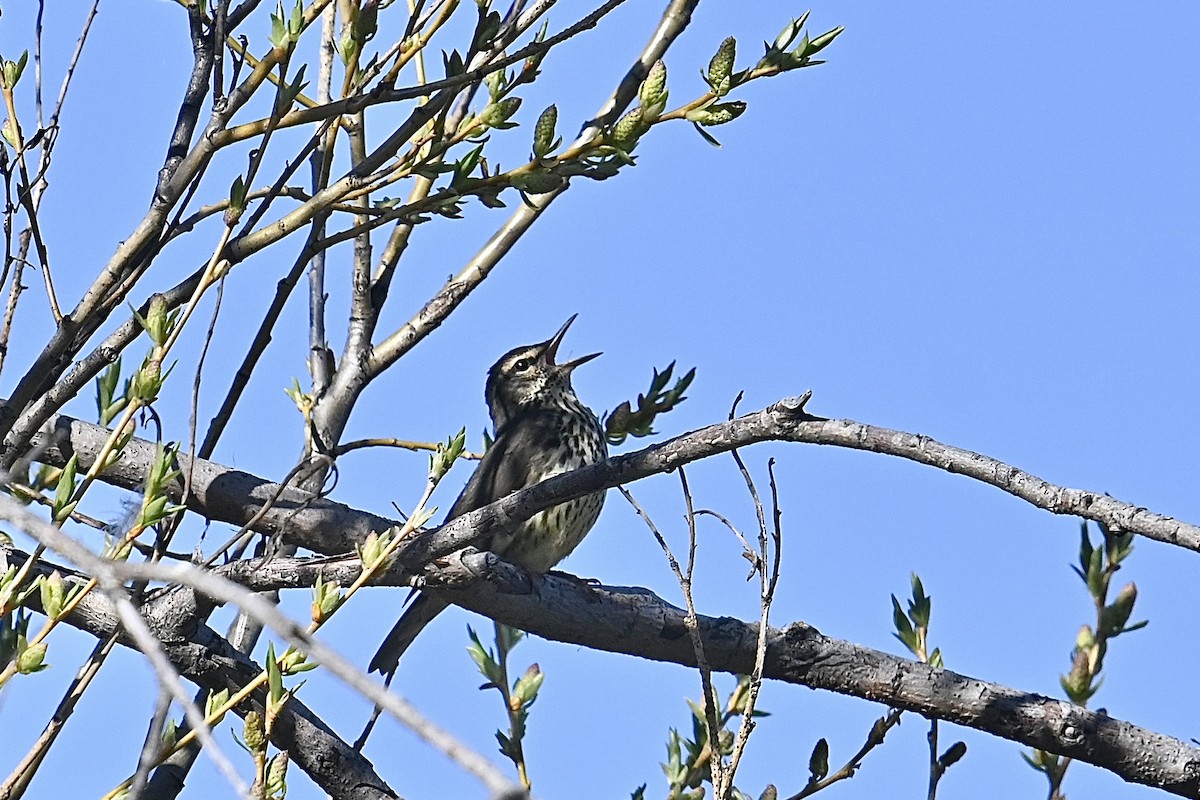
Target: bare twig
[
  {"x": 875, "y": 738},
  {"x": 684, "y": 577},
  {"x": 16, "y": 783},
  {"x": 767, "y": 585},
  {"x": 721, "y": 778},
  {"x": 167, "y": 675},
  {"x": 403, "y": 444}
]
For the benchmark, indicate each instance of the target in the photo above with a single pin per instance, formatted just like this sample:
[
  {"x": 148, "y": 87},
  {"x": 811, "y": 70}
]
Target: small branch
[
  {"x": 767, "y": 585},
  {"x": 16, "y": 783},
  {"x": 875, "y": 738},
  {"x": 403, "y": 444},
  {"x": 222, "y": 493},
  {"x": 684, "y": 578}
]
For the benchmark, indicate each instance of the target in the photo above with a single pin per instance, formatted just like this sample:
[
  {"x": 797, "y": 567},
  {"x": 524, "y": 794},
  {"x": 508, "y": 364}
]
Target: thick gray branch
[
  {"x": 637, "y": 622},
  {"x": 640, "y": 624},
  {"x": 229, "y": 495}
]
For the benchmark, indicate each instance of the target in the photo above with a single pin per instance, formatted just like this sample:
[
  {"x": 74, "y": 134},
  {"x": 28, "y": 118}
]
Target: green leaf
[
  {"x": 274, "y": 673},
  {"x": 818, "y": 762},
  {"x": 32, "y": 658},
  {"x": 705, "y": 135},
  {"x": 484, "y": 661},
  {"x": 53, "y": 595},
  {"x": 824, "y": 40},
  {"x": 904, "y": 629},
  {"x": 65, "y": 489}
]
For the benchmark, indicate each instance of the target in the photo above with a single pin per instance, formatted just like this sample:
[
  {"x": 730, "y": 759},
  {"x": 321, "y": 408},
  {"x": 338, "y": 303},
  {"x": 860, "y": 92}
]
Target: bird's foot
[{"x": 589, "y": 585}]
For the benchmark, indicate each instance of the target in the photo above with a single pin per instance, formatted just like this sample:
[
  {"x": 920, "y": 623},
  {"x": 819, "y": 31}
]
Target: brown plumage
[{"x": 542, "y": 429}]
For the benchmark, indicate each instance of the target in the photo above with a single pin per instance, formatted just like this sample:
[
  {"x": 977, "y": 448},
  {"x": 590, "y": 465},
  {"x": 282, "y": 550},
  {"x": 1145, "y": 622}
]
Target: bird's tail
[{"x": 402, "y": 634}]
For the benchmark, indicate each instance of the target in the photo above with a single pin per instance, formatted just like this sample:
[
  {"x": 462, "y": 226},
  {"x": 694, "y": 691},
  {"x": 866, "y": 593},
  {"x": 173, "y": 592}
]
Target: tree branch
[
  {"x": 229, "y": 495},
  {"x": 636, "y": 622},
  {"x": 206, "y": 658}
]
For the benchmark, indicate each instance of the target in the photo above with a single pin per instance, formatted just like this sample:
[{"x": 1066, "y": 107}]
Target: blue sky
[{"x": 974, "y": 225}]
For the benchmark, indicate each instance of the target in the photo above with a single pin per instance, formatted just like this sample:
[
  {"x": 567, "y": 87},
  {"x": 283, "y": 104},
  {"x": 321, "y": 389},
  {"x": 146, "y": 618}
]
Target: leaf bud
[{"x": 720, "y": 68}]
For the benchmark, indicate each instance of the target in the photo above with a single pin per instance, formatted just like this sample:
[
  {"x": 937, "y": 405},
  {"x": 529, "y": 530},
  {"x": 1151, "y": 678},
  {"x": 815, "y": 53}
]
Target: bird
[{"x": 541, "y": 429}]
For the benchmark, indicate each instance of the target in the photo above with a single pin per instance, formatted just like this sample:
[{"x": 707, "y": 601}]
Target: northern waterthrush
[{"x": 542, "y": 429}]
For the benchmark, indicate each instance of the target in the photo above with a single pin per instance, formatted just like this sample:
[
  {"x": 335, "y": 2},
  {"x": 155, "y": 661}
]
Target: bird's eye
[{"x": 522, "y": 364}]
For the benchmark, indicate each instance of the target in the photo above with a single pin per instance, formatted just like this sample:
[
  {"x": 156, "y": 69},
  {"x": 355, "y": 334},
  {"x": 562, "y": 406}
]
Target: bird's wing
[
  {"x": 504, "y": 469},
  {"x": 508, "y": 463}
]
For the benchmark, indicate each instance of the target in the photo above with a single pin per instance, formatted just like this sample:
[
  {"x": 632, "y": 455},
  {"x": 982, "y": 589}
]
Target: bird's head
[{"x": 528, "y": 376}]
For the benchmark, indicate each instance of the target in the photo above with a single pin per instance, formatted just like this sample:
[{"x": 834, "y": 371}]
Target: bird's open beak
[
  {"x": 570, "y": 365},
  {"x": 551, "y": 347}
]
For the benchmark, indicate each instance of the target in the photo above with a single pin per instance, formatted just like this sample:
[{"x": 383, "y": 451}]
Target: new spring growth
[
  {"x": 304, "y": 401},
  {"x": 359, "y": 29},
  {"x": 485, "y": 29},
  {"x": 912, "y": 629},
  {"x": 12, "y": 595},
  {"x": 54, "y": 595},
  {"x": 525, "y": 690},
  {"x": 821, "y": 42},
  {"x": 237, "y": 202},
  {"x": 496, "y": 82},
  {"x": 253, "y": 734},
  {"x": 776, "y": 53},
  {"x": 778, "y": 56},
  {"x": 30, "y": 658},
  {"x": 276, "y": 694},
  {"x": 374, "y": 546},
  {"x": 277, "y": 776},
  {"x": 485, "y": 662},
  {"x": 158, "y": 322},
  {"x": 623, "y": 421},
  {"x": 789, "y": 33},
  {"x": 65, "y": 490},
  {"x": 720, "y": 68},
  {"x": 156, "y": 505},
  {"x": 326, "y": 598},
  {"x": 544, "y": 139},
  {"x": 286, "y": 29},
  {"x": 213, "y": 707},
  {"x": 289, "y": 91},
  {"x": 818, "y": 762},
  {"x": 170, "y": 735},
  {"x": 1085, "y": 663},
  {"x": 953, "y": 754},
  {"x": 652, "y": 94},
  {"x": 717, "y": 113},
  {"x": 10, "y": 134},
  {"x": 108, "y": 403},
  {"x": 628, "y": 130},
  {"x": 497, "y": 114},
  {"x": 11, "y": 72},
  {"x": 1116, "y": 614},
  {"x": 447, "y": 453},
  {"x": 538, "y": 181}
]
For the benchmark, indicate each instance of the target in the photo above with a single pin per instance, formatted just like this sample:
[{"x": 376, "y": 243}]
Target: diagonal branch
[
  {"x": 229, "y": 495},
  {"x": 637, "y": 622}
]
